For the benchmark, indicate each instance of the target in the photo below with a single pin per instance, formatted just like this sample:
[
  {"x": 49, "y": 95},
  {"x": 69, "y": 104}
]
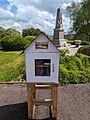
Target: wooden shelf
[
  {"x": 47, "y": 102},
  {"x": 43, "y": 66}
]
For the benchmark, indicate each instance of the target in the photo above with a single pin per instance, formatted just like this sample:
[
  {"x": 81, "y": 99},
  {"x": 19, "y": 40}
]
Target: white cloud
[
  {"x": 34, "y": 13},
  {"x": 64, "y": 5},
  {"x": 41, "y": 24},
  {"x": 30, "y": 11},
  {"x": 16, "y": 25},
  {"x": 6, "y": 22},
  {"x": 5, "y": 14}
]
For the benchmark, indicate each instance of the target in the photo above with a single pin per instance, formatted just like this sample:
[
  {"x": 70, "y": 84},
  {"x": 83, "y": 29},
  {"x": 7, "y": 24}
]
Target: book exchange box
[{"x": 42, "y": 60}]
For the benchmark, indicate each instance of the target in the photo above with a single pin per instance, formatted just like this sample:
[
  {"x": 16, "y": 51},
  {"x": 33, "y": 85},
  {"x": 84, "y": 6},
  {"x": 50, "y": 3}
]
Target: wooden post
[
  {"x": 30, "y": 107},
  {"x": 31, "y": 96},
  {"x": 54, "y": 95}
]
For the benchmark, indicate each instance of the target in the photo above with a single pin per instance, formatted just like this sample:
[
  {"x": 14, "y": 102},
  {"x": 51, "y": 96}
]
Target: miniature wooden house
[{"x": 42, "y": 61}]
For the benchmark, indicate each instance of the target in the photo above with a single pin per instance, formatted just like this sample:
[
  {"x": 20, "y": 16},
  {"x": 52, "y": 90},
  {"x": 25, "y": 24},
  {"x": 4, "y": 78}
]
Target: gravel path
[
  {"x": 72, "y": 49},
  {"x": 73, "y": 102}
]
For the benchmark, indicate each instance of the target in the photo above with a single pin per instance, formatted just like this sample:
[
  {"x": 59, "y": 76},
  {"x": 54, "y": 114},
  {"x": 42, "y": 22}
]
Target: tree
[
  {"x": 31, "y": 32},
  {"x": 1, "y": 28},
  {"x": 11, "y": 31},
  {"x": 80, "y": 18},
  {"x": 8, "y": 32},
  {"x": 1, "y": 33}
]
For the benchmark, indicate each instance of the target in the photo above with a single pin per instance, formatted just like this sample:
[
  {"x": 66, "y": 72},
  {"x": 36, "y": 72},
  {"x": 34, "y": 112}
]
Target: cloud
[
  {"x": 40, "y": 14},
  {"x": 32, "y": 12},
  {"x": 64, "y": 5},
  {"x": 5, "y": 14}
]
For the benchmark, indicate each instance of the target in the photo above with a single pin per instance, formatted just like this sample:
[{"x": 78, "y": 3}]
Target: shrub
[
  {"x": 0, "y": 42},
  {"x": 63, "y": 51},
  {"x": 30, "y": 38},
  {"x": 84, "y": 50},
  {"x": 14, "y": 43},
  {"x": 85, "y": 42},
  {"x": 72, "y": 42},
  {"x": 74, "y": 69},
  {"x": 63, "y": 74}
]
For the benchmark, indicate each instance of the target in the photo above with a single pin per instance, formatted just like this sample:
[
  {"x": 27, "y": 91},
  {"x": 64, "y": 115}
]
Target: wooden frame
[
  {"x": 42, "y": 67},
  {"x": 32, "y": 100}
]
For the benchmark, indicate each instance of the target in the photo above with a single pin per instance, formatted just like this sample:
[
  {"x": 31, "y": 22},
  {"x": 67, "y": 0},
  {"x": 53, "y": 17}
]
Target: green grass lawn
[{"x": 12, "y": 64}]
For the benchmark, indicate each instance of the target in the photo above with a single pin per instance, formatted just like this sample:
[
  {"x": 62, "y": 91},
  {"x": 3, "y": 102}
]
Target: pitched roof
[{"x": 37, "y": 37}]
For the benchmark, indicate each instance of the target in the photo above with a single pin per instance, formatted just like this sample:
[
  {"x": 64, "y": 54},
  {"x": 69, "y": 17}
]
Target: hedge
[
  {"x": 14, "y": 43},
  {"x": 84, "y": 50},
  {"x": 30, "y": 38},
  {"x": 74, "y": 69}
]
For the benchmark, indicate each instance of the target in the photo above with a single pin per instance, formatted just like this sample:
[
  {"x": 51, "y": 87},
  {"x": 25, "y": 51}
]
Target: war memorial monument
[{"x": 58, "y": 36}]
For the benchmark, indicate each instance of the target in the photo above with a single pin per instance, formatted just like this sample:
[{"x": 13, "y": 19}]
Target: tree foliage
[
  {"x": 1, "y": 33},
  {"x": 9, "y": 31},
  {"x": 80, "y": 17},
  {"x": 1, "y": 28},
  {"x": 12, "y": 32},
  {"x": 31, "y": 32}
]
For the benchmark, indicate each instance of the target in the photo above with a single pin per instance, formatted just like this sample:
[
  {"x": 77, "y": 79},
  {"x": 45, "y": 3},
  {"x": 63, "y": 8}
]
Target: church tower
[{"x": 58, "y": 31}]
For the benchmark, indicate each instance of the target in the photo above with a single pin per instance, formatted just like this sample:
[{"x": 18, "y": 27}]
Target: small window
[{"x": 42, "y": 67}]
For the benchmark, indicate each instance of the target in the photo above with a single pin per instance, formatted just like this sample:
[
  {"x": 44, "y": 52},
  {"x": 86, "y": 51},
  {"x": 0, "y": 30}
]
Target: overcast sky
[{"x": 21, "y": 14}]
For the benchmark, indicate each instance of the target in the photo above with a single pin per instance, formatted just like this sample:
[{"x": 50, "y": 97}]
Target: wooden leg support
[
  {"x": 54, "y": 94},
  {"x": 31, "y": 96},
  {"x": 32, "y": 101},
  {"x": 30, "y": 106}
]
